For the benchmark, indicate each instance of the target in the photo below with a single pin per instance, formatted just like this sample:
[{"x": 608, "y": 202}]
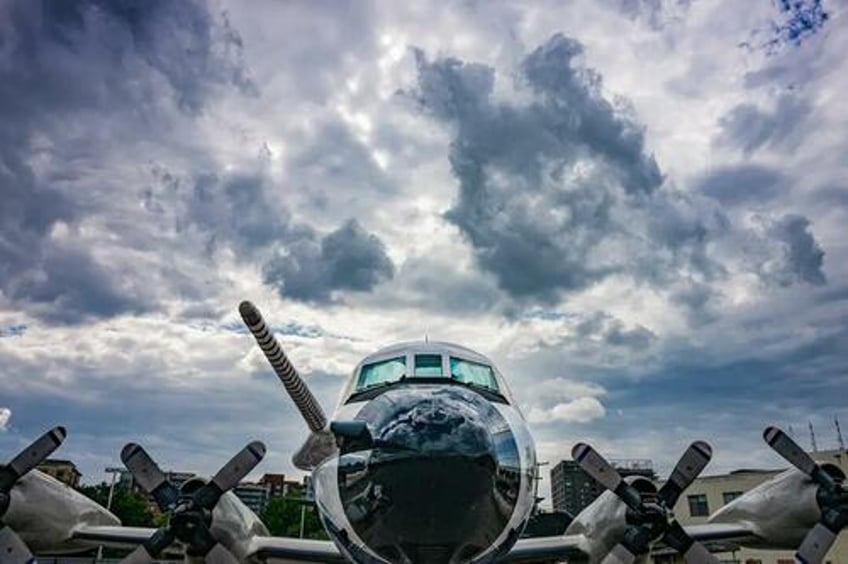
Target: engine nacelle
[
  {"x": 45, "y": 511},
  {"x": 601, "y": 525},
  {"x": 234, "y": 525},
  {"x": 780, "y": 511}
]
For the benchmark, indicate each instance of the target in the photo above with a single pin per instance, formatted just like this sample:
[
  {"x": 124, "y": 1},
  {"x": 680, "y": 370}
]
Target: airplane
[{"x": 427, "y": 459}]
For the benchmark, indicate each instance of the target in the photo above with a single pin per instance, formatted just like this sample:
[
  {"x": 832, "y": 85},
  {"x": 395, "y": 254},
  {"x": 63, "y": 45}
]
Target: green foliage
[
  {"x": 282, "y": 516},
  {"x": 130, "y": 507}
]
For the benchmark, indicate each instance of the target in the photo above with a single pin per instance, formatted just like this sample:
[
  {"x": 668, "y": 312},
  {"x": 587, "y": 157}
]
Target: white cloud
[
  {"x": 5, "y": 416},
  {"x": 581, "y": 410}
]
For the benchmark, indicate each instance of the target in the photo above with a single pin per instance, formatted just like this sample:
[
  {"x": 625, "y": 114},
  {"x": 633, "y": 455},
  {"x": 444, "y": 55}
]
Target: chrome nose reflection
[{"x": 440, "y": 482}]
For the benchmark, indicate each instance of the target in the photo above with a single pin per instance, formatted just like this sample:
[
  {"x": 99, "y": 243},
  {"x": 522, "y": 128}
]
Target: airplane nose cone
[
  {"x": 442, "y": 481},
  {"x": 433, "y": 426}
]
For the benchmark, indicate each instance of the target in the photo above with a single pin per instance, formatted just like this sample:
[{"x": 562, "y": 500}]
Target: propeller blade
[
  {"x": 820, "y": 538},
  {"x": 146, "y": 553},
  {"x": 220, "y": 555},
  {"x": 619, "y": 555},
  {"x": 13, "y": 549},
  {"x": 693, "y": 552},
  {"x": 138, "y": 556},
  {"x": 149, "y": 476},
  {"x": 31, "y": 457},
  {"x": 602, "y": 471},
  {"x": 815, "y": 545},
  {"x": 796, "y": 456},
  {"x": 698, "y": 554},
  {"x": 690, "y": 465},
  {"x": 230, "y": 475},
  {"x": 789, "y": 449}
]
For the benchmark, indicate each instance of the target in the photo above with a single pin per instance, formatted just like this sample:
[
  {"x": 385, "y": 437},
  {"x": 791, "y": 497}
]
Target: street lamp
[{"x": 114, "y": 470}]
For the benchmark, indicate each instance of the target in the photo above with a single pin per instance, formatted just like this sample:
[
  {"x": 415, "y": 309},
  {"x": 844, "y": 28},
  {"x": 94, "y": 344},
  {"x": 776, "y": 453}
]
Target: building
[
  {"x": 707, "y": 494},
  {"x": 253, "y": 495},
  {"x": 280, "y": 487},
  {"x": 572, "y": 489},
  {"x": 179, "y": 478},
  {"x": 63, "y": 470},
  {"x": 276, "y": 484}
]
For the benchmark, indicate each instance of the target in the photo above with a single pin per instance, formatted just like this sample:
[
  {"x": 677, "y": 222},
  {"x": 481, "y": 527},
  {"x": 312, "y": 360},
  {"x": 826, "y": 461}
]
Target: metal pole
[
  {"x": 114, "y": 472},
  {"x": 111, "y": 489},
  {"x": 302, "y": 519}
]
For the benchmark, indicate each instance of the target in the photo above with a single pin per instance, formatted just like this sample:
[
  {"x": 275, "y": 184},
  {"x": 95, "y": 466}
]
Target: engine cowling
[
  {"x": 234, "y": 525},
  {"x": 45, "y": 511},
  {"x": 780, "y": 511},
  {"x": 602, "y": 524}
]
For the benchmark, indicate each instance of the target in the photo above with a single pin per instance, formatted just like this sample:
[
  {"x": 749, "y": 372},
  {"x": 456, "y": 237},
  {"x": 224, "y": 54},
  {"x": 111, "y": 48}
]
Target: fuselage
[{"x": 448, "y": 472}]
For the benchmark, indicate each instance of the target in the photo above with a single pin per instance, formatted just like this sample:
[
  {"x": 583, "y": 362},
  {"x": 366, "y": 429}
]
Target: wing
[
  {"x": 573, "y": 546},
  {"x": 112, "y": 537},
  {"x": 723, "y": 532},
  {"x": 543, "y": 548},
  {"x": 270, "y": 549},
  {"x": 278, "y": 549}
]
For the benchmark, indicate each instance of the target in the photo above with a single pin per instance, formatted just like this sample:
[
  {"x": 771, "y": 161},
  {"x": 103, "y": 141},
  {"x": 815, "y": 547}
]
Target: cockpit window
[
  {"x": 428, "y": 365},
  {"x": 473, "y": 373},
  {"x": 390, "y": 370}
]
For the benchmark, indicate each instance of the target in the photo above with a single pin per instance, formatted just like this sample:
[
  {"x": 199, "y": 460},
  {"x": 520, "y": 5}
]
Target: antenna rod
[{"x": 306, "y": 403}]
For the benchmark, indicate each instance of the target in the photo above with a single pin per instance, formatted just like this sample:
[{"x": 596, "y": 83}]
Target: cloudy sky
[{"x": 636, "y": 207}]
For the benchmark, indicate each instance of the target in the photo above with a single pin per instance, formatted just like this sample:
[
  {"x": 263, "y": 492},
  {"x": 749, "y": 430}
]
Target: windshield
[
  {"x": 473, "y": 373},
  {"x": 425, "y": 367},
  {"x": 390, "y": 370},
  {"x": 428, "y": 365}
]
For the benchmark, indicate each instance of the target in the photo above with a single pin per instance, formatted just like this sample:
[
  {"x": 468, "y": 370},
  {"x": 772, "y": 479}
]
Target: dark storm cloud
[
  {"x": 801, "y": 257},
  {"x": 104, "y": 65},
  {"x": 544, "y": 184},
  {"x": 71, "y": 286},
  {"x": 748, "y": 127},
  {"x": 613, "y": 332},
  {"x": 583, "y": 117},
  {"x": 557, "y": 190},
  {"x": 241, "y": 211},
  {"x": 348, "y": 258},
  {"x": 355, "y": 259},
  {"x": 435, "y": 282},
  {"x": 237, "y": 209},
  {"x": 742, "y": 184}
]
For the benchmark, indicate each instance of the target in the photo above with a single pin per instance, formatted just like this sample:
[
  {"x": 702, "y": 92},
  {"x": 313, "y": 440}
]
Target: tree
[
  {"x": 130, "y": 507},
  {"x": 282, "y": 517}
]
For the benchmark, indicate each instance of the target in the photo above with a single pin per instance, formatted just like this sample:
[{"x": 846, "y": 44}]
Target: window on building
[
  {"x": 390, "y": 370},
  {"x": 698, "y": 506},
  {"x": 428, "y": 365},
  {"x": 730, "y": 496}
]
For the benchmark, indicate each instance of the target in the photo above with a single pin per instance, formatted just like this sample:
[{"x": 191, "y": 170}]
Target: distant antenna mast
[
  {"x": 813, "y": 437},
  {"x": 838, "y": 433}
]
